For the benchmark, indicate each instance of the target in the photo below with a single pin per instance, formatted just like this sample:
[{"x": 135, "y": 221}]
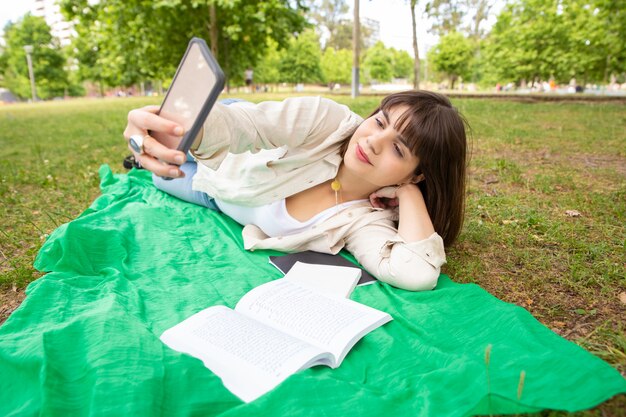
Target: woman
[{"x": 390, "y": 188}]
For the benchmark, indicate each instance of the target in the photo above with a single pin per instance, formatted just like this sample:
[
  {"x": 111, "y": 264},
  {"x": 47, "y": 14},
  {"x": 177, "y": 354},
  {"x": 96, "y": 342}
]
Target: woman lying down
[{"x": 390, "y": 188}]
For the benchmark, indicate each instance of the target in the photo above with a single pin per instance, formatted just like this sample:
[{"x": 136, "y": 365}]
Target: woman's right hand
[{"x": 157, "y": 156}]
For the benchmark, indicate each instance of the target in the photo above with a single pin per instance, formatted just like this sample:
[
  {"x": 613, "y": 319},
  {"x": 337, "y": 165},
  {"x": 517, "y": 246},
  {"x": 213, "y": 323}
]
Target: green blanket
[{"x": 86, "y": 339}]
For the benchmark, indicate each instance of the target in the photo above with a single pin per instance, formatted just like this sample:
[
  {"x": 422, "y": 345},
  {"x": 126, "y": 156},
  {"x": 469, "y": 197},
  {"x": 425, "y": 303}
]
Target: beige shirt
[{"x": 299, "y": 140}]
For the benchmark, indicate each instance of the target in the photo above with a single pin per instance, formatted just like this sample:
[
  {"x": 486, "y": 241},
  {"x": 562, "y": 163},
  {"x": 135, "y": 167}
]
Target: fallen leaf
[
  {"x": 559, "y": 324},
  {"x": 622, "y": 297},
  {"x": 572, "y": 213}
]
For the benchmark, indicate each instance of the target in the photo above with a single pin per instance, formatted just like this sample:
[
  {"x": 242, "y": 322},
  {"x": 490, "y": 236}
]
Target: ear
[{"x": 416, "y": 179}]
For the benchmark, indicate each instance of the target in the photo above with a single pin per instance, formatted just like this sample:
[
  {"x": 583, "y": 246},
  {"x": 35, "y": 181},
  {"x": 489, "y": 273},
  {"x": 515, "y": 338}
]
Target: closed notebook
[{"x": 285, "y": 262}]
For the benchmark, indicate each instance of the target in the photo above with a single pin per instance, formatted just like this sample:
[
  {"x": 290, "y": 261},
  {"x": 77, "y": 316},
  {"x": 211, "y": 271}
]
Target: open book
[{"x": 275, "y": 330}]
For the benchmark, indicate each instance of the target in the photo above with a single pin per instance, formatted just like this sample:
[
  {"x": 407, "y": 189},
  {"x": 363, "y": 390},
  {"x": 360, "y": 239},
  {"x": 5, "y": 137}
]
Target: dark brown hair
[{"x": 435, "y": 133}]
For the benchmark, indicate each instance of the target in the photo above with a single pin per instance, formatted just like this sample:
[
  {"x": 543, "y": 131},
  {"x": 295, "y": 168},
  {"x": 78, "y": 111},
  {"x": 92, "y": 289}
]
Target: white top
[{"x": 274, "y": 219}]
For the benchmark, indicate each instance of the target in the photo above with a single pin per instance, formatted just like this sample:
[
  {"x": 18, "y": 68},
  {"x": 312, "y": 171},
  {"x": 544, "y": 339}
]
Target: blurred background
[{"x": 56, "y": 49}]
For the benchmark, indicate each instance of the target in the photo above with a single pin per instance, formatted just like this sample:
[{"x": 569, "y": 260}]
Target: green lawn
[{"x": 531, "y": 163}]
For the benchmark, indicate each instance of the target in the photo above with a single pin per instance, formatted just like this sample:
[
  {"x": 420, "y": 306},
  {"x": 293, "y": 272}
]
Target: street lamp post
[{"x": 31, "y": 74}]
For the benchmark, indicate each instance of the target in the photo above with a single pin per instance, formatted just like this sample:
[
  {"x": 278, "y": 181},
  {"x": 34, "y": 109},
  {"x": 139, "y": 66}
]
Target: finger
[
  {"x": 147, "y": 120},
  {"x": 157, "y": 150},
  {"x": 160, "y": 168},
  {"x": 151, "y": 108},
  {"x": 375, "y": 201}
]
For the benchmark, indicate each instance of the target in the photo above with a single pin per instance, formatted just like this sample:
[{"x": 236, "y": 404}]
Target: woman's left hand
[{"x": 385, "y": 198}]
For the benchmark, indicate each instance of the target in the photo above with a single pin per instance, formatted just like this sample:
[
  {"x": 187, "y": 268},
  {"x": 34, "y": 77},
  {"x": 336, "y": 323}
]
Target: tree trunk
[
  {"x": 213, "y": 29},
  {"x": 356, "y": 37},
  {"x": 416, "y": 66}
]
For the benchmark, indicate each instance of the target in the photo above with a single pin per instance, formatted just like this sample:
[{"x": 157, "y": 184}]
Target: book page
[
  {"x": 331, "y": 323},
  {"x": 250, "y": 357}
]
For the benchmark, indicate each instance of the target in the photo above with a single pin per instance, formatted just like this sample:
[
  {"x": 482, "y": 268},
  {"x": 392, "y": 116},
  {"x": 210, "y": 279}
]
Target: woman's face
[{"x": 377, "y": 152}]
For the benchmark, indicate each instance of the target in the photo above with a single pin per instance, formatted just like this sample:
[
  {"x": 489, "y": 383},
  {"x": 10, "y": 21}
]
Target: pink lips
[{"x": 361, "y": 155}]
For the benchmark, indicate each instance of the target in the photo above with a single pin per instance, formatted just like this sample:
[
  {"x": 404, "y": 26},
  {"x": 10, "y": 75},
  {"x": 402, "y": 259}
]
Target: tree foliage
[
  {"x": 47, "y": 58},
  {"x": 538, "y": 40},
  {"x": 464, "y": 16},
  {"x": 402, "y": 64},
  {"x": 337, "y": 66},
  {"x": 382, "y": 64},
  {"x": 266, "y": 70},
  {"x": 333, "y": 25},
  {"x": 377, "y": 64},
  {"x": 127, "y": 41},
  {"x": 328, "y": 15},
  {"x": 452, "y": 57},
  {"x": 300, "y": 62}
]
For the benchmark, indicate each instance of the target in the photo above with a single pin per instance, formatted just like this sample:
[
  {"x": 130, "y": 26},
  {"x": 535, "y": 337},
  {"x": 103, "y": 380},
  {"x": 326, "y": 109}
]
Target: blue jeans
[{"x": 181, "y": 187}]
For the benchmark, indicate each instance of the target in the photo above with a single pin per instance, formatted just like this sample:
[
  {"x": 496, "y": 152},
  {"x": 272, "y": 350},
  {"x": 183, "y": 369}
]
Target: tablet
[{"x": 196, "y": 85}]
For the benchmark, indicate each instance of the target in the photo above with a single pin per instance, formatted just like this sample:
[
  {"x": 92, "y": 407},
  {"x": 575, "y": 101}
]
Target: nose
[{"x": 377, "y": 140}]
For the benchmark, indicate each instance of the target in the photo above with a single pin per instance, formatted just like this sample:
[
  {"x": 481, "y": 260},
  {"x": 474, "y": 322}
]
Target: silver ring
[{"x": 136, "y": 143}]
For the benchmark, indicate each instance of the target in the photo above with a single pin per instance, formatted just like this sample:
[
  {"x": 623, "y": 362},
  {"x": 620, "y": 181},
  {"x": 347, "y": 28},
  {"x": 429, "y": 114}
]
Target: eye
[
  {"x": 379, "y": 123},
  {"x": 398, "y": 150}
]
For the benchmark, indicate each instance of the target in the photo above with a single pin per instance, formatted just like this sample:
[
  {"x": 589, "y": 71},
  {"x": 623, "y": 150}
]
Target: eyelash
[{"x": 396, "y": 147}]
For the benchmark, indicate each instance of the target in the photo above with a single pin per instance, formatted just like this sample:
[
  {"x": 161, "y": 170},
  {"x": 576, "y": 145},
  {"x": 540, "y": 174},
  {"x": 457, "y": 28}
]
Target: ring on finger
[{"x": 136, "y": 143}]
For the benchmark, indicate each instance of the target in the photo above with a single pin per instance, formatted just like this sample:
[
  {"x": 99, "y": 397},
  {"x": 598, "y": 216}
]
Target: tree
[
  {"x": 48, "y": 61},
  {"x": 464, "y": 16},
  {"x": 378, "y": 64},
  {"x": 300, "y": 62},
  {"x": 447, "y": 16},
  {"x": 136, "y": 40},
  {"x": 452, "y": 57},
  {"x": 416, "y": 55},
  {"x": 527, "y": 43},
  {"x": 597, "y": 34},
  {"x": 337, "y": 66},
  {"x": 402, "y": 64},
  {"x": 329, "y": 17},
  {"x": 534, "y": 40},
  {"x": 266, "y": 70}
]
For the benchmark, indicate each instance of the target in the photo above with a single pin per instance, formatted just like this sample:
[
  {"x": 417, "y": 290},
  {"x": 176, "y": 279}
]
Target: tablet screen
[
  {"x": 196, "y": 85},
  {"x": 190, "y": 89}
]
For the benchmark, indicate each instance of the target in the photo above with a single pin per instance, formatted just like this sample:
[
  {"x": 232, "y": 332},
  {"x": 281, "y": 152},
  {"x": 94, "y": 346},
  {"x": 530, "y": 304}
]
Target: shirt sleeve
[
  {"x": 413, "y": 266},
  {"x": 295, "y": 122}
]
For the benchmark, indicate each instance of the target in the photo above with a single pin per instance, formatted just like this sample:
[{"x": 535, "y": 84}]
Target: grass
[{"x": 531, "y": 163}]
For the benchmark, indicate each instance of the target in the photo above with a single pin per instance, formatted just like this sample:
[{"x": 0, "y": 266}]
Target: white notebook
[{"x": 328, "y": 279}]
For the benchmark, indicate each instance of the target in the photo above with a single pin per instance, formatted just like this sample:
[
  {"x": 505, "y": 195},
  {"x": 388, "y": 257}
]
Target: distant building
[{"x": 51, "y": 12}]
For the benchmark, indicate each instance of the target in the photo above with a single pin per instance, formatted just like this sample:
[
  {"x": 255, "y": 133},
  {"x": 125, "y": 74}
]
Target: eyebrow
[{"x": 400, "y": 137}]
